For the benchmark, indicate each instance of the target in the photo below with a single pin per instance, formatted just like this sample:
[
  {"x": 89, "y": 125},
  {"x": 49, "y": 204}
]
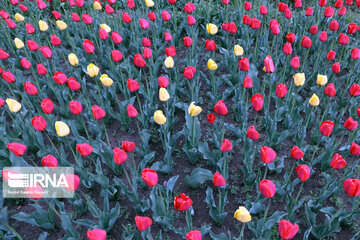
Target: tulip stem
[
  {"x": 296, "y": 199},
  {"x": 242, "y": 231},
  {"x": 127, "y": 176},
  {"x": 266, "y": 212},
  {"x": 188, "y": 219},
  {"x": 52, "y": 143},
  {"x": 11, "y": 229},
  {"x": 265, "y": 173},
  {"x": 83, "y": 123},
  {"x": 165, "y": 137},
  {"x": 313, "y": 155},
  {"x": 106, "y": 134},
  {"x": 162, "y": 199},
  {"x": 193, "y": 132},
  {"x": 270, "y": 88}
]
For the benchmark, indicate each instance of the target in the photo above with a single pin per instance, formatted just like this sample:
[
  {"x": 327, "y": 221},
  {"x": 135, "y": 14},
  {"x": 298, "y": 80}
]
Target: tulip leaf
[{"x": 197, "y": 177}]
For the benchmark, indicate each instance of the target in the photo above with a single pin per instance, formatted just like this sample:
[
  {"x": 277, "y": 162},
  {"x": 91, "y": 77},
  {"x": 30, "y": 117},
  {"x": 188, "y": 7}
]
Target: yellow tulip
[
  {"x": 238, "y": 50},
  {"x": 321, "y": 79},
  {"x": 163, "y": 94},
  {"x": 106, "y": 81},
  {"x": 169, "y": 62},
  {"x": 14, "y": 105},
  {"x": 43, "y": 26},
  {"x": 212, "y": 65},
  {"x": 299, "y": 79},
  {"x": 19, "y": 17},
  {"x": 61, "y": 25},
  {"x": 211, "y": 28},
  {"x": 18, "y": 43},
  {"x": 73, "y": 59},
  {"x": 314, "y": 100},
  {"x": 159, "y": 117},
  {"x": 194, "y": 110},
  {"x": 149, "y": 3},
  {"x": 242, "y": 215},
  {"x": 97, "y": 6},
  {"x": 92, "y": 70},
  {"x": 62, "y": 129},
  {"x": 105, "y": 27}
]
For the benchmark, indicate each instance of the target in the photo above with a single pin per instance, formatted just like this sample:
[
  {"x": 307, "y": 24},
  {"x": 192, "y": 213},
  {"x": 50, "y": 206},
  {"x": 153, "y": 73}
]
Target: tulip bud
[
  {"x": 299, "y": 79},
  {"x": 194, "y": 110},
  {"x": 267, "y": 188},
  {"x": 337, "y": 161},
  {"x": 143, "y": 223},
  {"x": 226, "y": 145},
  {"x": 355, "y": 149},
  {"x": 326, "y": 128},
  {"x": 163, "y": 95},
  {"x": 62, "y": 129},
  {"x": 267, "y": 154},
  {"x": 106, "y": 80},
  {"x": 19, "y": 17},
  {"x": 314, "y": 100},
  {"x": 49, "y": 161},
  {"x": 257, "y": 102},
  {"x": 242, "y": 215},
  {"x": 169, "y": 62},
  {"x": 212, "y": 65},
  {"x": 149, "y": 176},
  {"x": 303, "y": 172},
  {"x": 18, "y": 43},
  {"x": 195, "y": 234},
  {"x": 73, "y": 59},
  {"x": 97, "y": 5},
  {"x": 96, "y": 234},
  {"x": 352, "y": 187},
  {"x": 252, "y": 133},
  {"x": 287, "y": 230},
  {"x": 17, "y": 148},
  {"x": 13, "y": 105},
  {"x": 296, "y": 153},
  {"x": 61, "y": 25},
  {"x": 211, "y": 28},
  {"x": 220, "y": 108},
  {"x": 92, "y": 70},
  {"x": 321, "y": 79},
  {"x": 159, "y": 117},
  {"x": 131, "y": 111},
  {"x": 43, "y": 26},
  {"x": 47, "y": 105},
  {"x": 238, "y": 50},
  {"x": 350, "y": 124},
  {"x": 182, "y": 203}
]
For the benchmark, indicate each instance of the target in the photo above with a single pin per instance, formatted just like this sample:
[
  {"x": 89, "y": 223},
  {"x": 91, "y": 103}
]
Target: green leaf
[{"x": 198, "y": 176}]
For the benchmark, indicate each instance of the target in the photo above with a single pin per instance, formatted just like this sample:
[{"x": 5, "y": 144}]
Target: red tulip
[
  {"x": 267, "y": 154},
  {"x": 287, "y": 49},
  {"x": 343, "y": 38},
  {"x": 263, "y": 10},
  {"x": 2, "y": 102},
  {"x": 147, "y": 53},
  {"x": 116, "y": 37},
  {"x": 336, "y": 67},
  {"x": 17, "y": 148},
  {"x": 337, "y": 161},
  {"x": 330, "y": 90},
  {"x": 4, "y": 14},
  {"x": 116, "y": 55},
  {"x": 126, "y": 17},
  {"x": 218, "y": 180},
  {"x": 41, "y": 70},
  {"x": 295, "y": 62},
  {"x": 120, "y": 155},
  {"x": 339, "y": 3},
  {"x": 323, "y": 36},
  {"x": 33, "y": 46},
  {"x": 146, "y": 42},
  {"x": 290, "y": 37},
  {"x": 287, "y": 230},
  {"x": 152, "y": 16},
  {"x": 55, "y": 41},
  {"x": 149, "y": 176},
  {"x": 334, "y": 25},
  {"x": 352, "y": 28},
  {"x": 170, "y": 51},
  {"x": 255, "y": 23},
  {"x": 331, "y": 55},
  {"x": 88, "y": 46},
  {"x": 132, "y": 85},
  {"x": 165, "y": 15},
  {"x": 274, "y": 27},
  {"x": 189, "y": 7},
  {"x": 211, "y": 118},
  {"x": 355, "y": 149},
  {"x": 23, "y": 8},
  {"x": 210, "y": 45},
  {"x": 143, "y": 23},
  {"x": 56, "y": 15},
  {"x": 98, "y": 112},
  {"x": 49, "y": 161},
  {"x": 60, "y": 78},
  {"x": 103, "y": 34},
  {"x": 30, "y": 88},
  {"x": 269, "y": 64},
  {"x": 29, "y": 28},
  {"x": 226, "y": 145},
  {"x": 244, "y": 64},
  {"x": 267, "y": 188},
  {"x": 143, "y": 223},
  {"x": 130, "y": 4},
  {"x": 10, "y": 23},
  {"x": 303, "y": 172},
  {"x": 326, "y": 128},
  {"x": 167, "y": 36},
  {"x": 73, "y": 181},
  {"x": 84, "y": 149},
  {"x": 75, "y": 17},
  {"x": 306, "y": 42},
  {"x": 34, "y": 192},
  {"x": 194, "y": 234},
  {"x": 189, "y": 72},
  {"x": 220, "y": 108},
  {"x": 329, "y": 12},
  {"x": 47, "y": 105},
  {"x": 46, "y": 51},
  {"x": 41, "y": 4},
  {"x": 8, "y": 76},
  {"x": 25, "y": 63},
  {"x": 87, "y": 19},
  {"x": 354, "y": 90},
  {"x": 109, "y": 9},
  {"x": 128, "y": 146},
  {"x": 281, "y": 90},
  {"x": 252, "y": 133},
  {"x": 288, "y": 13},
  {"x": 313, "y": 30},
  {"x": 352, "y": 187},
  {"x": 257, "y": 102},
  {"x": 139, "y": 61},
  {"x": 296, "y": 153},
  {"x": 309, "y": 12},
  {"x": 3, "y": 55},
  {"x": 182, "y": 203},
  {"x": 247, "y": 5},
  {"x": 39, "y": 123},
  {"x": 96, "y": 234},
  {"x": 355, "y": 53},
  {"x": 131, "y": 111},
  {"x": 248, "y": 83},
  {"x": 350, "y": 124},
  {"x": 322, "y": 3},
  {"x": 75, "y": 107},
  {"x": 163, "y": 81},
  {"x": 73, "y": 84},
  {"x": 246, "y": 20}
]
